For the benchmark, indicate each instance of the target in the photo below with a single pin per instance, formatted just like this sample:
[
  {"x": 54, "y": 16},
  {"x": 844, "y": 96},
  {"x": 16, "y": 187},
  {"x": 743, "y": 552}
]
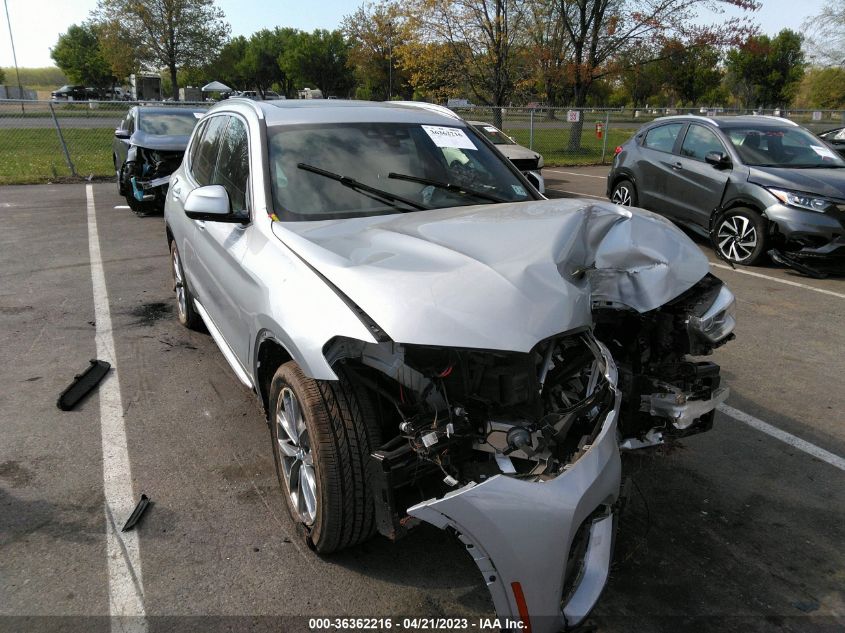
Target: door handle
[
  {"x": 200, "y": 224},
  {"x": 677, "y": 166}
]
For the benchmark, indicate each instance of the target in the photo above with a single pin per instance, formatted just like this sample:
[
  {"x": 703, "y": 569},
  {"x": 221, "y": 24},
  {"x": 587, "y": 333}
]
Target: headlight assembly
[
  {"x": 801, "y": 200},
  {"x": 718, "y": 321}
]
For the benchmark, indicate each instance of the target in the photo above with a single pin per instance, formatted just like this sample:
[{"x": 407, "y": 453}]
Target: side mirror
[
  {"x": 122, "y": 134},
  {"x": 718, "y": 159},
  {"x": 211, "y": 204}
]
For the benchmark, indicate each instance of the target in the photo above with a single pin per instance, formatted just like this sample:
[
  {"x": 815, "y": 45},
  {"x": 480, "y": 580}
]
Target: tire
[
  {"x": 624, "y": 193},
  {"x": 141, "y": 208},
  {"x": 121, "y": 188},
  {"x": 739, "y": 235},
  {"x": 321, "y": 460},
  {"x": 185, "y": 310}
]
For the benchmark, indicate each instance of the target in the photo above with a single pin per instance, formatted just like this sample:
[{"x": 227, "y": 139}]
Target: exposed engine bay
[
  {"x": 457, "y": 416},
  {"x": 458, "y": 419}
]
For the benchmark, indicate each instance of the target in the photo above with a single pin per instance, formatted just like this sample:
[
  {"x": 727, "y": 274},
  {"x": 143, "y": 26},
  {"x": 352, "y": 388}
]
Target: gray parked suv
[
  {"x": 432, "y": 341},
  {"x": 754, "y": 184}
]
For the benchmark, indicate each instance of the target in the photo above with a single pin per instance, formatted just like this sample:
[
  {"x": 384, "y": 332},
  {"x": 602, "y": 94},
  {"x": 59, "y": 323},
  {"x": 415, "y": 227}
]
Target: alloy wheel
[
  {"x": 179, "y": 286},
  {"x": 622, "y": 195},
  {"x": 296, "y": 457},
  {"x": 736, "y": 238}
]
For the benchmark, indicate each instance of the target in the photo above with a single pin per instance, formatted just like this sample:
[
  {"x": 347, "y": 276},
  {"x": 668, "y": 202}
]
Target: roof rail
[
  {"x": 243, "y": 101},
  {"x": 433, "y": 107},
  {"x": 776, "y": 118}
]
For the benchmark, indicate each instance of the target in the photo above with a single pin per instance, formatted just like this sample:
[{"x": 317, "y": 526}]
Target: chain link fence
[
  {"x": 43, "y": 141},
  {"x": 565, "y": 136}
]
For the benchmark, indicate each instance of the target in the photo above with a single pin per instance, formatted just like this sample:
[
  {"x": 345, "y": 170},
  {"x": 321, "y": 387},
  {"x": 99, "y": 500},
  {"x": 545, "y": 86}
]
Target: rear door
[
  {"x": 697, "y": 187},
  {"x": 655, "y": 167},
  {"x": 220, "y": 246}
]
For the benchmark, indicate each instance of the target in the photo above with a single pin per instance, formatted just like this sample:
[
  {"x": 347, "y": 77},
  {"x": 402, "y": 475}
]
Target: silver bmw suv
[{"x": 433, "y": 341}]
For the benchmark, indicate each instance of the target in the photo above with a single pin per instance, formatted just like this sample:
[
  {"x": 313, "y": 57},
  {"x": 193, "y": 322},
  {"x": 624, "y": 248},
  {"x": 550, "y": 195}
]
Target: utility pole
[{"x": 14, "y": 55}]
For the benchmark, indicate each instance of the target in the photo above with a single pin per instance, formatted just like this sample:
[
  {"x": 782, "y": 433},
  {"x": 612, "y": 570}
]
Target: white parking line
[
  {"x": 576, "y": 193},
  {"x": 787, "y": 282},
  {"x": 573, "y": 173},
  {"x": 126, "y": 588},
  {"x": 783, "y": 436}
]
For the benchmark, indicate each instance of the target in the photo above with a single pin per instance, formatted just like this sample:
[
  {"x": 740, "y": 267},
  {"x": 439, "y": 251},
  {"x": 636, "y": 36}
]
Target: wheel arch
[
  {"x": 270, "y": 354},
  {"x": 623, "y": 174},
  {"x": 736, "y": 203}
]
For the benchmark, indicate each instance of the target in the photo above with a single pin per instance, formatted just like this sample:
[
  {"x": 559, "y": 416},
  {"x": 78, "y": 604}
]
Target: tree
[
  {"x": 432, "y": 71},
  {"x": 826, "y": 44},
  {"x": 376, "y": 35},
  {"x": 767, "y": 70},
  {"x": 2, "y": 75},
  {"x": 320, "y": 59},
  {"x": 822, "y": 88},
  {"x": 598, "y": 31},
  {"x": 79, "y": 56},
  {"x": 689, "y": 70},
  {"x": 167, "y": 33},
  {"x": 229, "y": 66},
  {"x": 484, "y": 37},
  {"x": 261, "y": 66}
]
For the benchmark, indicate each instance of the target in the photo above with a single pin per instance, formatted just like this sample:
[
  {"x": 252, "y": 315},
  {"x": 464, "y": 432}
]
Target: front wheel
[
  {"x": 323, "y": 432},
  {"x": 739, "y": 236},
  {"x": 624, "y": 194}
]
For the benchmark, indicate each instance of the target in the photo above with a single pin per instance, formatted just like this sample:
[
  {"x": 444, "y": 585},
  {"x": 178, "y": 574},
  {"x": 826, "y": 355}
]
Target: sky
[{"x": 37, "y": 24}]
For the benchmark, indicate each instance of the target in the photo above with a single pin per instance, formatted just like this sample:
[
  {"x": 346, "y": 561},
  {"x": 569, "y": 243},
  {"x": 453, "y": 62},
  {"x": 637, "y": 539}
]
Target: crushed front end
[
  {"x": 515, "y": 453},
  {"x": 668, "y": 389},
  {"x": 146, "y": 175}
]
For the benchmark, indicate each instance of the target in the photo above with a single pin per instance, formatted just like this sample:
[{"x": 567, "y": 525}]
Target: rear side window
[
  {"x": 233, "y": 164},
  {"x": 204, "y": 156},
  {"x": 699, "y": 141},
  {"x": 663, "y": 138}
]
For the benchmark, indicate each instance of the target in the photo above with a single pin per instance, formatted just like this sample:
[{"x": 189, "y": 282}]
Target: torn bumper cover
[
  {"x": 143, "y": 190},
  {"x": 543, "y": 545}
]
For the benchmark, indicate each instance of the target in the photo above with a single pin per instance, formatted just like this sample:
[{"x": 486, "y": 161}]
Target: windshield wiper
[
  {"x": 448, "y": 186},
  {"x": 372, "y": 192}
]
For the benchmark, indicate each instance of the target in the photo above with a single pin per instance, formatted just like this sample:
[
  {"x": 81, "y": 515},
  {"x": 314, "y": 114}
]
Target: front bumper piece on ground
[{"x": 520, "y": 532}]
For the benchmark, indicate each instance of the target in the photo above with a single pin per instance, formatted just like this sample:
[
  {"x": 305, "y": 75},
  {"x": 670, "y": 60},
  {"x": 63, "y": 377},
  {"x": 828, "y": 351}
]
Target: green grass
[
  {"x": 35, "y": 156},
  {"x": 30, "y": 156},
  {"x": 553, "y": 145}
]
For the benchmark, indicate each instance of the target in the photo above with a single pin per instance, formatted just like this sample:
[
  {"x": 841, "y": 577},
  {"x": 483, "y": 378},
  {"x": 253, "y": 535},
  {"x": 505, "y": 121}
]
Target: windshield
[
  {"x": 494, "y": 135},
  {"x": 794, "y": 147},
  {"x": 170, "y": 123},
  {"x": 321, "y": 172}
]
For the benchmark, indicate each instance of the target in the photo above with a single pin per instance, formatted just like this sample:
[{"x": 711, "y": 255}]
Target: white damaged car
[{"x": 434, "y": 341}]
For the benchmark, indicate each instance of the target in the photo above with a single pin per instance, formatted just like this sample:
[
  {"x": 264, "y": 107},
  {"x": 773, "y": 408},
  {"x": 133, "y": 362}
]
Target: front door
[{"x": 697, "y": 186}]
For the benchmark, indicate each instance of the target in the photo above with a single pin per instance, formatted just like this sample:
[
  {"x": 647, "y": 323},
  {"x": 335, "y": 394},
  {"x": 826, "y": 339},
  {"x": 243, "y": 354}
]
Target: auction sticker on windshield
[{"x": 448, "y": 137}]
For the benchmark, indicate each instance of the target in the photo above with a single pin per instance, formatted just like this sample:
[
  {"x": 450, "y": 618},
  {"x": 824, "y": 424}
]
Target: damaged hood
[
  {"x": 824, "y": 182},
  {"x": 517, "y": 152},
  {"x": 499, "y": 276},
  {"x": 162, "y": 143}
]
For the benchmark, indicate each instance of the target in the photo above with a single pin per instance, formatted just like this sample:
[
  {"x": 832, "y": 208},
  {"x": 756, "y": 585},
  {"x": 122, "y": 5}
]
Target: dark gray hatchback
[{"x": 753, "y": 184}]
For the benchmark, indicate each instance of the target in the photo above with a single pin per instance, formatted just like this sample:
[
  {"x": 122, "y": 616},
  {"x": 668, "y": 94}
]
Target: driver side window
[{"x": 233, "y": 164}]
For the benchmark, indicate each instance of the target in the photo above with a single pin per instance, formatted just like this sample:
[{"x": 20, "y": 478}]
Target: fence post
[
  {"x": 604, "y": 136},
  {"x": 531, "y": 129},
  {"x": 62, "y": 141}
]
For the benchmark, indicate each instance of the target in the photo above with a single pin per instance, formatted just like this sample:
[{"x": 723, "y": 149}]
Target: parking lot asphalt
[{"x": 732, "y": 530}]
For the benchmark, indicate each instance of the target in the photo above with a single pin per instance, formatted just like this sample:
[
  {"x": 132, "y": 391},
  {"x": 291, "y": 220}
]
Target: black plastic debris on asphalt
[
  {"x": 82, "y": 384},
  {"x": 137, "y": 513}
]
